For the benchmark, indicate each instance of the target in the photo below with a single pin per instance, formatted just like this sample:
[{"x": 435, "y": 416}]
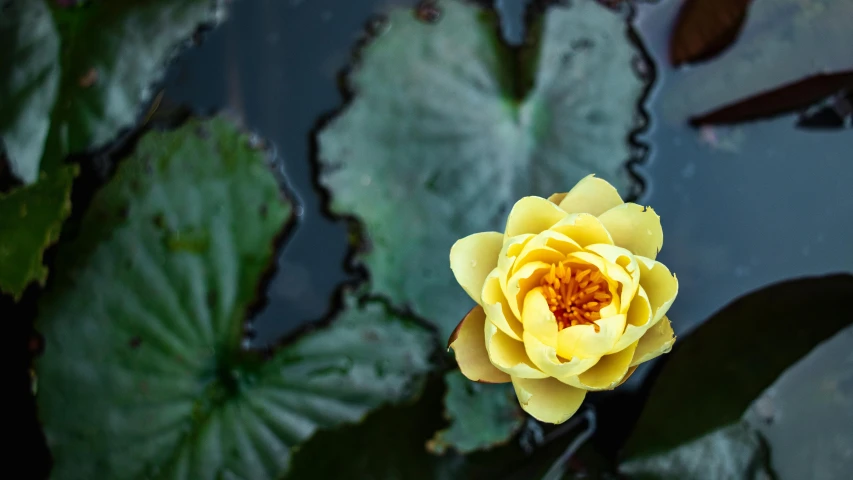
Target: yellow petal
[
  {"x": 545, "y": 358},
  {"x": 657, "y": 341},
  {"x": 615, "y": 276},
  {"x": 548, "y": 400},
  {"x": 626, "y": 261},
  {"x": 557, "y": 198},
  {"x": 508, "y": 355},
  {"x": 510, "y": 251},
  {"x": 591, "y": 195},
  {"x": 548, "y": 246},
  {"x": 473, "y": 258},
  {"x": 660, "y": 285},
  {"x": 584, "y": 229},
  {"x": 584, "y": 342},
  {"x": 527, "y": 278},
  {"x": 496, "y": 306},
  {"x": 469, "y": 344},
  {"x": 609, "y": 371},
  {"x": 639, "y": 320},
  {"x": 635, "y": 228},
  {"x": 532, "y": 215},
  {"x": 538, "y": 319}
]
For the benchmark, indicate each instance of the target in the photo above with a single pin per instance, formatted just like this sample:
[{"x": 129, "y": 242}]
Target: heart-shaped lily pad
[
  {"x": 449, "y": 127},
  {"x": 145, "y": 372}
]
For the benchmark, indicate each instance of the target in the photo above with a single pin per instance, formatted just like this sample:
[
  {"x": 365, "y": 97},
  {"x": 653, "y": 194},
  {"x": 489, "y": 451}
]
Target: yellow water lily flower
[{"x": 570, "y": 298}]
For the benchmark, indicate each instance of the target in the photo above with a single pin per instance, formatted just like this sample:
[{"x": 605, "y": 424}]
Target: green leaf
[
  {"x": 145, "y": 373},
  {"x": 806, "y": 417},
  {"x": 31, "y": 218},
  {"x": 736, "y": 452},
  {"x": 781, "y": 42},
  {"x": 712, "y": 376},
  {"x": 481, "y": 416},
  {"x": 443, "y": 135},
  {"x": 387, "y": 445},
  {"x": 29, "y": 78},
  {"x": 109, "y": 55}
]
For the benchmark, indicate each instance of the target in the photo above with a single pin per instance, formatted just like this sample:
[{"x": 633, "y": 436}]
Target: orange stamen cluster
[{"x": 576, "y": 294}]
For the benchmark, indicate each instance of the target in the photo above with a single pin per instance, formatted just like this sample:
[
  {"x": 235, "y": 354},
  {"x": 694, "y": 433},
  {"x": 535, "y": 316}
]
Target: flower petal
[
  {"x": 591, "y": 195},
  {"x": 508, "y": 355},
  {"x": 532, "y": 215},
  {"x": 584, "y": 342},
  {"x": 635, "y": 228},
  {"x": 473, "y": 258},
  {"x": 538, "y": 319},
  {"x": 639, "y": 320},
  {"x": 660, "y": 285},
  {"x": 510, "y": 251},
  {"x": 527, "y": 278},
  {"x": 583, "y": 228},
  {"x": 548, "y": 246},
  {"x": 557, "y": 198},
  {"x": 608, "y": 372},
  {"x": 496, "y": 306},
  {"x": 657, "y": 341},
  {"x": 545, "y": 358},
  {"x": 548, "y": 400},
  {"x": 469, "y": 344},
  {"x": 625, "y": 260}
]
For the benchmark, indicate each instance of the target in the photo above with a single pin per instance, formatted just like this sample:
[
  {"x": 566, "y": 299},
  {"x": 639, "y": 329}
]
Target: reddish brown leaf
[
  {"x": 704, "y": 28},
  {"x": 787, "y": 98}
]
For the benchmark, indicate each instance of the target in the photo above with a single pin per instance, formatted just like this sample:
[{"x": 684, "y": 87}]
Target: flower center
[{"x": 576, "y": 294}]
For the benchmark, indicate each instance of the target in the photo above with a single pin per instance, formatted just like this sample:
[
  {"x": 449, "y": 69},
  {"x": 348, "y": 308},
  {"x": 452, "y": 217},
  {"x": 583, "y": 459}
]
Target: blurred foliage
[{"x": 711, "y": 377}]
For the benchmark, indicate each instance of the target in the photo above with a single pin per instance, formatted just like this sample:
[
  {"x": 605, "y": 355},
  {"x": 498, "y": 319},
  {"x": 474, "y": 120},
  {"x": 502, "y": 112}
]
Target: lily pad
[
  {"x": 31, "y": 219},
  {"x": 448, "y": 127},
  {"x": 782, "y": 41},
  {"x": 145, "y": 371},
  {"x": 29, "y": 79},
  {"x": 481, "y": 416},
  {"x": 710, "y": 378},
  {"x": 443, "y": 135},
  {"x": 109, "y": 55}
]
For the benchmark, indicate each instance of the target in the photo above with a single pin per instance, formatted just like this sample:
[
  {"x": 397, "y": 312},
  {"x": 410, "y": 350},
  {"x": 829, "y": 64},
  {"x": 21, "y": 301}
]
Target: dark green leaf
[
  {"x": 30, "y": 220},
  {"x": 29, "y": 78},
  {"x": 713, "y": 375},
  {"x": 145, "y": 374},
  {"x": 481, "y": 416},
  {"x": 109, "y": 55},
  {"x": 736, "y": 452}
]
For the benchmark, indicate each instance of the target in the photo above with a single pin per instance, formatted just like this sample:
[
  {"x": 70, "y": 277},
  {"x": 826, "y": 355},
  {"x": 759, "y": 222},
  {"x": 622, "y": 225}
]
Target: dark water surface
[{"x": 742, "y": 207}]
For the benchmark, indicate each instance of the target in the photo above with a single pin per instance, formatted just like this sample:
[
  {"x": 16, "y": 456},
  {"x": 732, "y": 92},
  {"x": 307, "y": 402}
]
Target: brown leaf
[
  {"x": 787, "y": 98},
  {"x": 704, "y": 28}
]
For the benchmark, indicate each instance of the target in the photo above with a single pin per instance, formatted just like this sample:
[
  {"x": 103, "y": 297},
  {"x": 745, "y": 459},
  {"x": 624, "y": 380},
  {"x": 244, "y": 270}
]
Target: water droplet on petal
[{"x": 473, "y": 263}]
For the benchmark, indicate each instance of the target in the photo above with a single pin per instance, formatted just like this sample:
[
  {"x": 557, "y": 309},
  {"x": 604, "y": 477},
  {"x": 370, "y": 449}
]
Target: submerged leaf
[
  {"x": 783, "y": 41},
  {"x": 712, "y": 376},
  {"x": 789, "y": 98},
  {"x": 30, "y": 221},
  {"x": 705, "y": 28},
  {"x": 145, "y": 374}
]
